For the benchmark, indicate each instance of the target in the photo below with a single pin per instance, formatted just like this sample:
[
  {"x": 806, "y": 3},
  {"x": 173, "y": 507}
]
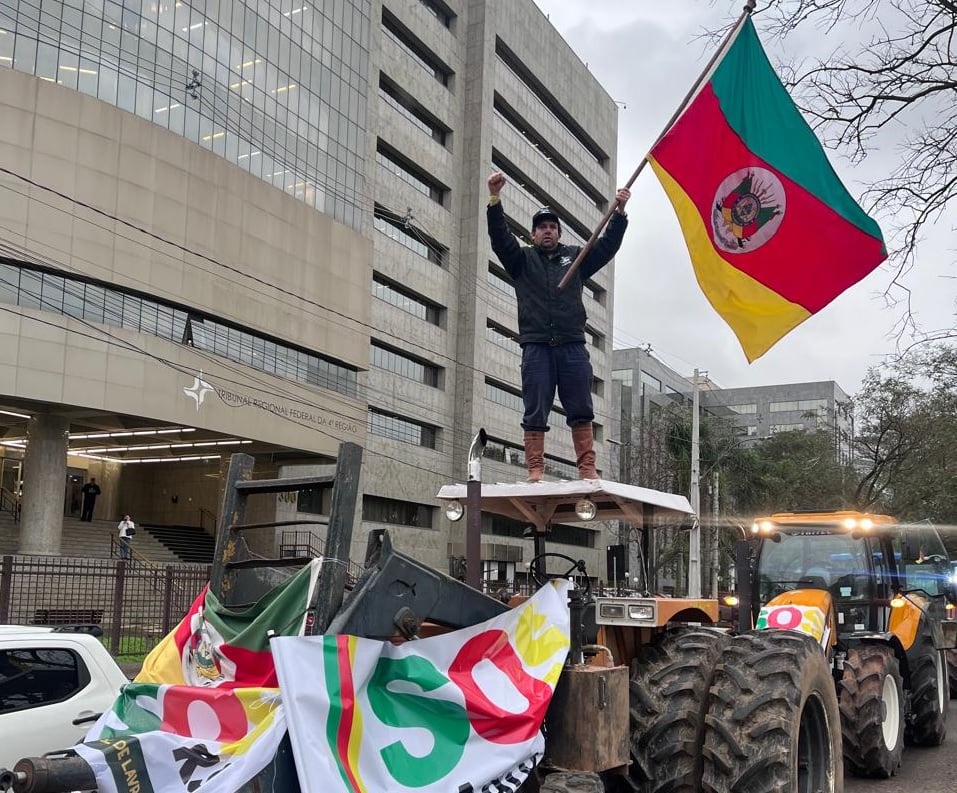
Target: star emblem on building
[{"x": 198, "y": 390}]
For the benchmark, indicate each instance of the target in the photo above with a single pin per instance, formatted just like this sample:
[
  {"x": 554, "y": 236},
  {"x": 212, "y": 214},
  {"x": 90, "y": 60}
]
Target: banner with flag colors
[
  {"x": 460, "y": 711},
  {"x": 180, "y": 739},
  {"x": 205, "y": 712},
  {"x": 774, "y": 235}
]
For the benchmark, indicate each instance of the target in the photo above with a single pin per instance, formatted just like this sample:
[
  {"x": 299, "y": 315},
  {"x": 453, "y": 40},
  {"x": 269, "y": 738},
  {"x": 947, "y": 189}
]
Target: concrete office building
[
  {"x": 645, "y": 385},
  {"x": 260, "y": 226}
]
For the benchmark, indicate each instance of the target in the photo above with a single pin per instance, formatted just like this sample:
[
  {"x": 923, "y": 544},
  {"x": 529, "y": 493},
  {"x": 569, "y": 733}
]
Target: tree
[
  {"x": 907, "y": 419},
  {"x": 893, "y": 87},
  {"x": 789, "y": 471}
]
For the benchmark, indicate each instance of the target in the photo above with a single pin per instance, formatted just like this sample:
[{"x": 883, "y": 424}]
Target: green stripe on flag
[
  {"x": 282, "y": 610},
  {"x": 330, "y": 668},
  {"x": 760, "y": 110}
]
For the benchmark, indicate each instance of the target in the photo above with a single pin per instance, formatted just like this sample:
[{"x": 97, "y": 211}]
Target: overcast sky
[{"x": 646, "y": 55}]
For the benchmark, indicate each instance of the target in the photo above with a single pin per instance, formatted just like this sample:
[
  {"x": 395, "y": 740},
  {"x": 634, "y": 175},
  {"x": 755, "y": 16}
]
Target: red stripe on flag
[
  {"x": 814, "y": 255},
  {"x": 347, "y": 702}
]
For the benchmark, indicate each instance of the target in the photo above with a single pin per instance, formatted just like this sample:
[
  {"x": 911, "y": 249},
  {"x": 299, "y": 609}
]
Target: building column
[{"x": 44, "y": 484}]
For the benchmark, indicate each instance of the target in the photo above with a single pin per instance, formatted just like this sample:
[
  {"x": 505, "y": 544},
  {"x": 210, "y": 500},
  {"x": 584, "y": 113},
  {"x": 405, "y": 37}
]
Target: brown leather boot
[
  {"x": 584, "y": 440},
  {"x": 535, "y": 455}
]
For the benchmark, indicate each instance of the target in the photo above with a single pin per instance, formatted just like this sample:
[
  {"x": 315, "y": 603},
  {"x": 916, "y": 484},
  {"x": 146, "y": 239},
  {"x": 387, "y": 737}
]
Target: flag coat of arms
[
  {"x": 774, "y": 235},
  {"x": 460, "y": 711},
  {"x": 205, "y": 713}
]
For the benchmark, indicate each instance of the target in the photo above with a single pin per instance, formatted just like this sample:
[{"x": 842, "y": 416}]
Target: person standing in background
[
  {"x": 90, "y": 491},
  {"x": 127, "y": 529}
]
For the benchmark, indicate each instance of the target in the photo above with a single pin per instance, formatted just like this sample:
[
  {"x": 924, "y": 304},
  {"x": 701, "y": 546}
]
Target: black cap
[{"x": 545, "y": 213}]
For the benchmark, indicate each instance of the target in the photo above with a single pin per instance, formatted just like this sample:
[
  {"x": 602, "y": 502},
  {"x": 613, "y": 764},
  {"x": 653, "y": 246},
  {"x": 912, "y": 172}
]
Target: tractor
[
  {"x": 878, "y": 596},
  {"x": 654, "y": 695}
]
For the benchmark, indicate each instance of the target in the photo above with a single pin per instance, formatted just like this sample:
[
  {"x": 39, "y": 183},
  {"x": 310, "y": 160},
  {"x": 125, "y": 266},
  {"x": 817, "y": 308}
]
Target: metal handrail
[
  {"x": 11, "y": 502},
  {"x": 213, "y": 517}
]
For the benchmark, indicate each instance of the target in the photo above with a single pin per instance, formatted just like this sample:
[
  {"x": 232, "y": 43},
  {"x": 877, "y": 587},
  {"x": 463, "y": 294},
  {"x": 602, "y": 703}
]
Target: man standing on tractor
[{"x": 551, "y": 323}]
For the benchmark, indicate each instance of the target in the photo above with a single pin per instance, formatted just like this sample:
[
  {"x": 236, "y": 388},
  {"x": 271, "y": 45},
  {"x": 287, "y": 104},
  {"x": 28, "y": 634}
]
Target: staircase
[
  {"x": 188, "y": 543},
  {"x": 93, "y": 540}
]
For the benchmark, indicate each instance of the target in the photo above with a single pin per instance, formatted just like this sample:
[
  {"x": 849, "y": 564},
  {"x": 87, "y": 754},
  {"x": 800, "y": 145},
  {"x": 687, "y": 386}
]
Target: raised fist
[{"x": 496, "y": 182}]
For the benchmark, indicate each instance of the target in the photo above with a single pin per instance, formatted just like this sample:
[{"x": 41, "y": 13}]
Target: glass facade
[
  {"x": 23, "y": 286},
  {"x": 278, "y": 87}
]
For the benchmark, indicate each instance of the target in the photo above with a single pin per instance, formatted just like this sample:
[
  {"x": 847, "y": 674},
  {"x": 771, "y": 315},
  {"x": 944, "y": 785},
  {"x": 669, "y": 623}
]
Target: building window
[
  {"x": 595, "y": 338},
  {"x": 598, "y": 386},
  {"x": 401, "y": 429},
  {"x": 265, "y": 94},
  {"x": 800, "y": 404},
  {"x": 420, "y": 54},
  {"x": 24, "y": 286},
  {"x": 505, "y": 396},
  {"x": 376, "y": 509},
  {"x": 406, "y": 234},
  {"x": 650, "y": 382},
  {"x": 399, "y": 166},
  {"x": 743, "y": 409},
  {"x": 412, "y": 111},
  {"x": 595, "y": 292},
  {"x": 626, "y": 376},
  {"x": 498, "y": 279},
  {"x": 540, "y": 144},
  {"x": 440, "y": 11},
  {"x": 407, "y": 301},
  {"x": 548, "y": 103},
  {"x": 404, "y": 365},
  {"x": 775, "y": 428},
  {"x": 502, "y": 337}
]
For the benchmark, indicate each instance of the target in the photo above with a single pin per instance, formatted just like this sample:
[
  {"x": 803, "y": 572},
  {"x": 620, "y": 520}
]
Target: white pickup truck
[{"x": 53, "y": 685}]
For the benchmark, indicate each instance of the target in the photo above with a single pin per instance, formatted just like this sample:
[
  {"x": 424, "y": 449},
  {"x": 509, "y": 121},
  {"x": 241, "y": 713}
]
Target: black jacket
[{"x": 546, "y": 314}]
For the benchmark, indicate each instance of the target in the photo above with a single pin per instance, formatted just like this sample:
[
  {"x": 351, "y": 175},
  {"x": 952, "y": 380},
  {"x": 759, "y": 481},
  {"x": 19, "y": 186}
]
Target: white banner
[{"x": 457, "y": 712}]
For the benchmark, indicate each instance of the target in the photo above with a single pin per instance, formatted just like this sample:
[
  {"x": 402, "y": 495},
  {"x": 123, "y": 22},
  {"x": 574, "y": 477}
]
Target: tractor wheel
[
  {"x": 872, "y": 711},
  {"x": 669, "y": 687},
  {"x": 773, "y": 724},
  {"x": 929, "y": 692},
  {"x": 952, "y": 672}
]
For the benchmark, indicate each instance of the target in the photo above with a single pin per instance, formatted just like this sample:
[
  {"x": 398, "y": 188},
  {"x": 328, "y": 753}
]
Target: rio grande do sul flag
[
  {"x": 217, "y": 646},
  {"x": 205, "y": 713},
  {"x": 773, "y": 234},
  {"x": 460, "y": 711}
]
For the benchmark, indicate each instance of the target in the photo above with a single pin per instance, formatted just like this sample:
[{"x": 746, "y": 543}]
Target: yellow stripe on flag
[
  {"x": 758, "y": 316},
  {"x": 163, "y": 664}
]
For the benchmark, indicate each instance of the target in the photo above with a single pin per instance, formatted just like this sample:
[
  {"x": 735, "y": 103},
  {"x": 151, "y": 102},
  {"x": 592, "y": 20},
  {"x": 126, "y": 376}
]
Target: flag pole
[{"x": 749, "y": 6}]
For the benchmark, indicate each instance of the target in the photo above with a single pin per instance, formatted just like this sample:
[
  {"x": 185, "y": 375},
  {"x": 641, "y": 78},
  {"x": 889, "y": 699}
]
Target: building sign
[{"x": 306, "y": 415}]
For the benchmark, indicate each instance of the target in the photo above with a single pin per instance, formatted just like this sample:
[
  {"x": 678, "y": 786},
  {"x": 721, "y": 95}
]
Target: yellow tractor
[{"x": 878, "y": 598}]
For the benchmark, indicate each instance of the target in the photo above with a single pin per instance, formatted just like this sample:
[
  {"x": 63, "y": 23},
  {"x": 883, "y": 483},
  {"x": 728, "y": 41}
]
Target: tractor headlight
[{"x": 454, "y": 510}]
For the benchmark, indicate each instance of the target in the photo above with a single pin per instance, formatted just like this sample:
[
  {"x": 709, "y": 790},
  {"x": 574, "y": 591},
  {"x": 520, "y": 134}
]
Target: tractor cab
[{"x": 863, "y": 561}]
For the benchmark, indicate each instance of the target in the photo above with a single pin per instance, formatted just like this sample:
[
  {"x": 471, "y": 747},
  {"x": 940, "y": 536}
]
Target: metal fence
[{"x": 135, "y": 603}]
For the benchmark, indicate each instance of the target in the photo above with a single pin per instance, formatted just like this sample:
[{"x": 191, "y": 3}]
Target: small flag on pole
[{"x": 773, "y": 234}]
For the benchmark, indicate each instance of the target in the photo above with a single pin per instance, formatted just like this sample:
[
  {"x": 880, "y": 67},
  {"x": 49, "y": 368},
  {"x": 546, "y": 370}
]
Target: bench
[{"x": 67, "y": 617}]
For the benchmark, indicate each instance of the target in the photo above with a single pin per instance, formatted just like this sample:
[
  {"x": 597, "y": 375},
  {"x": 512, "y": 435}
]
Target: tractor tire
[
  {"x": 872, "y": 711},
  {"x": 952, "y": 672},
  {"x": 773, "y": 723},
  {"x": 669, "y": 688},
  {"x": 927, "y": 725}
]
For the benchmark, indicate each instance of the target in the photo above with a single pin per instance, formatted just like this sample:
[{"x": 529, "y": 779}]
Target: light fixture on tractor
[
  {"x": 586, "y": 509},
  {"x": 454, "y": 510}
]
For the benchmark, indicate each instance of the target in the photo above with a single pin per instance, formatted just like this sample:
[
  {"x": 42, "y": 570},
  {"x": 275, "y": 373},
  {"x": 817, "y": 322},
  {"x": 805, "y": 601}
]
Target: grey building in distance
[
  {"x": 644, "y": 385},
  {"x": 259, "y": 225}
]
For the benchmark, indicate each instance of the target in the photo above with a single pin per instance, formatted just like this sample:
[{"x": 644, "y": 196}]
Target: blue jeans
[
  {"x": 125, "y": 548},
  {"x": 565, "y": 367}
]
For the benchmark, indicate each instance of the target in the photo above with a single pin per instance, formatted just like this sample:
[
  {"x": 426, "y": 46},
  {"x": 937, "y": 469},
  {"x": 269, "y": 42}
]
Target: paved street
[{"x": 923, "y": 770}]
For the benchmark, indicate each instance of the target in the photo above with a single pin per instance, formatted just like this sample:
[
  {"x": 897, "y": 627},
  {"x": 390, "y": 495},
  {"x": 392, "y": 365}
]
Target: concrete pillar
[{"x": 44, "y": 484}]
